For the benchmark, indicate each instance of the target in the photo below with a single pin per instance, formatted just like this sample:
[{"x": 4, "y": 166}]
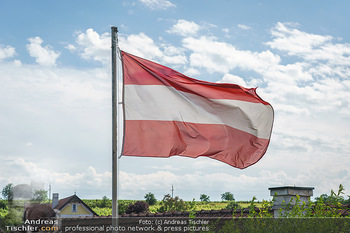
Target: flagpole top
[{"x": 114, "y": 29}]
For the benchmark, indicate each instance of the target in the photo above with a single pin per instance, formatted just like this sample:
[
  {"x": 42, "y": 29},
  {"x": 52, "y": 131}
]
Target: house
[{"x": 71, "y": 207}]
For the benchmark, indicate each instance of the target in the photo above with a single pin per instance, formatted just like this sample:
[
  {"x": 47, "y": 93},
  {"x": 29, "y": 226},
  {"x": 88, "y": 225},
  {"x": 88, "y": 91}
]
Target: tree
[
  {"x": 150, "y": 199},
  {"x": 227, "y": 196},
  {"x": 7, "y": 193},
  {"x": 39, "y": 195},
  {"x": 105, "y": 202},
  {"x": 204, "y": 198}
]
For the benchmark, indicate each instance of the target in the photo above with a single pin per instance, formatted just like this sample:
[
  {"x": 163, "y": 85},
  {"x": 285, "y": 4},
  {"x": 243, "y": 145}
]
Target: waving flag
[{"x": 168, "y": 113}]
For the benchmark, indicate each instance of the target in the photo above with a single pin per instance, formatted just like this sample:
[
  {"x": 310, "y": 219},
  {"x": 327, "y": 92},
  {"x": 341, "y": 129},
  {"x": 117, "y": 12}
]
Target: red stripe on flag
[
  {"x": 167, "y": 138},
  {"x": 150, "y": 73}
]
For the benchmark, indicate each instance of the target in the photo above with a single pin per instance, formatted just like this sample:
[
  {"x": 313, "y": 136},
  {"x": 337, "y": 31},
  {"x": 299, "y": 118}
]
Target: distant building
[{"x": 69, "y": 207}]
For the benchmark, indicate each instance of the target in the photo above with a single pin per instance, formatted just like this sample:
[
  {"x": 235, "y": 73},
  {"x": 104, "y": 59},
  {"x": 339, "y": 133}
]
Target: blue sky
[{"x": 55, "y": 100}]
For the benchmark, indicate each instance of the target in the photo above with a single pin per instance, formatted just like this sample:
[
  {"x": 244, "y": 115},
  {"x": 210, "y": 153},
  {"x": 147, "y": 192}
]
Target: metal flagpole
[{"x": 114, "y": 131}]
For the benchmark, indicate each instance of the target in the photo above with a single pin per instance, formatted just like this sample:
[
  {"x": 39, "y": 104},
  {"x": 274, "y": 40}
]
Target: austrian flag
[{"x": 168, "y": 113}]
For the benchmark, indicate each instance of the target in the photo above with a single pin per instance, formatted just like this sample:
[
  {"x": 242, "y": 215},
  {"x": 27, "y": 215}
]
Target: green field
[{"x": 123, "y": 204}]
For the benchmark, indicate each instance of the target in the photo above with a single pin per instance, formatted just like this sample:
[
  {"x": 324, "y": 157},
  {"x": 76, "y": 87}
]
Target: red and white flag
[{"x": 168, "y": 113}]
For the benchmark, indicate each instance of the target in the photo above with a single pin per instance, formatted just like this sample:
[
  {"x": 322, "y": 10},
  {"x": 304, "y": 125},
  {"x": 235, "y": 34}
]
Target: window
[{"x": 74, "y": 207}]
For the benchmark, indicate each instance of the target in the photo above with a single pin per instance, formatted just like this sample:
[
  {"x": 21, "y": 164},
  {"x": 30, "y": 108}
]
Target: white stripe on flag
[{"x": 164, "y": 103}]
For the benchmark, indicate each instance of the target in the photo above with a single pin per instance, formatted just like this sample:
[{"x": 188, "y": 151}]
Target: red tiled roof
[{"x": 63, "y": 202}]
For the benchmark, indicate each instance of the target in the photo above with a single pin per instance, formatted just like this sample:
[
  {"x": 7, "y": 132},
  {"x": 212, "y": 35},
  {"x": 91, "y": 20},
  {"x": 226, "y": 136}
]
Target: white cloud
[
  {"x": 230, "y": 78},
  {"x": 141, "y": 45},
  {"x": 191, "y": 72},
  {"x": 184, "y": 28},
  {"x": 317, "y": 79},
  {"x": 59, "y": 108},
  {"x": 244, "y": 27},
  {"x": 226, "y": 30},
  {"x": 17, "y": 63},
  {"x": 291, "y": 109},
  {"x": 63, "y": 85},
  {"x": 215, "y": 56},
  {"x": 43, "y": 55},
  {"x": 93, "y": 46},
  {"x": 157, "y": 4},
  {"x": 6, "y": 52},
  {"x": 71, "y": 47},
  {"x": 24, "y": 171},
  {"x": 173, "y": 55},
  {"x": 309, "y": 46}
]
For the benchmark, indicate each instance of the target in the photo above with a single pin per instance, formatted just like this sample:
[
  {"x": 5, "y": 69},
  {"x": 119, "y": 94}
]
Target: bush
[
  {"x": 3, "y": 205},
  {"x": 232, "y": 205},
  {"x": 123, "y": 206},
  {"x": 13, "y": 218},
  {"x": 175, "y": 204},
  {"x": 138, "y": 207}
]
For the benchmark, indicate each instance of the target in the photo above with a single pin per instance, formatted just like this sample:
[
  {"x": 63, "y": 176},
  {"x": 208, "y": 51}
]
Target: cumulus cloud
[
  {"x": 59, "y": 108},
  {"x": 318, "y": 78},
  {"x": 288, "y": 38},
  {"x": 216, "y": 56},
  {"x": 62, "y": 85},
  {"x": 6, "y": 52},
  {"x": 173, "y": 55},
  {"x": 310, "y": 47},
  {"x": 157, "y": 4},
  {"x": 141, "y": 45},
  {"x": 25, "y": 171},
  {"x": 230, "y": 78},
  {"x": 45, "y": 56},
  {"x": 184, "y": 28},
  {"x": 93, "y": 46}
]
